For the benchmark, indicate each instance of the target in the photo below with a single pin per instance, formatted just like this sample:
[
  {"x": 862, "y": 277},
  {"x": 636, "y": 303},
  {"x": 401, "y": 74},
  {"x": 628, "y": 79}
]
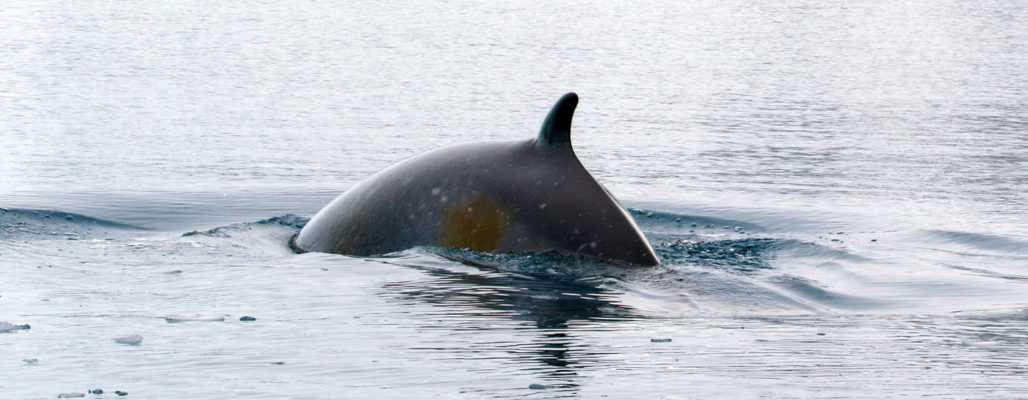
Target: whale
[{"x": 524, "y": 196}]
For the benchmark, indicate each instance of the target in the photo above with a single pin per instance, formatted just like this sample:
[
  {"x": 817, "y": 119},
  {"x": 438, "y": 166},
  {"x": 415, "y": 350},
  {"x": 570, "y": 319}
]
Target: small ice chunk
[
  {"x": 171, "y": 319},
  {"x": 70, "y": 395},
  {"x": 9, "y": 327},
  {"x": 96, "y": 391},
  {"x": 538, "y": 386},
  {"x": 30, "y": 361},
  {"x": 247, "y": 318},
  {"x": 131, "y": 340},
  {"x": 120, "y": 393},
  {"x": 661, "y": 340}
]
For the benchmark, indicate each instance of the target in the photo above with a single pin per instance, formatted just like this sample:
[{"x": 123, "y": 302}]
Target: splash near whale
[{"x": 518, "y": 196}]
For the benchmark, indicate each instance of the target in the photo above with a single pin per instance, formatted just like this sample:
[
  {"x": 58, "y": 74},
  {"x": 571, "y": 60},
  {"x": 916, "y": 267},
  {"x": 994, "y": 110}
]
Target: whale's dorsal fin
[{"x": 557, "y": 126}]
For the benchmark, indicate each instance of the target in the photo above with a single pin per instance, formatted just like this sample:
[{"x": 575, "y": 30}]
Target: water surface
[{"x": 838, "y": 191}]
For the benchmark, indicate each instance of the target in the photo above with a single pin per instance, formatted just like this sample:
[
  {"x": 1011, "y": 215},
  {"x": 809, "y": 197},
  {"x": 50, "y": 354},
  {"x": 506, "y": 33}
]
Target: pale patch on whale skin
[{"x": 521, "y": 196}]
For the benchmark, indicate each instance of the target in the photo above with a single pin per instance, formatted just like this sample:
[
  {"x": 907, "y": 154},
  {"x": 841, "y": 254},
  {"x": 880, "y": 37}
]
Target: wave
[
  {"x": 15, "y": 215},
  {"x": 17, "y": 223},
  {"x": 980, "y": 241},
  {"x": 292, "y": 221},
  {"x": 658, "y": 221},
  {"x": 709, "y": 264}
]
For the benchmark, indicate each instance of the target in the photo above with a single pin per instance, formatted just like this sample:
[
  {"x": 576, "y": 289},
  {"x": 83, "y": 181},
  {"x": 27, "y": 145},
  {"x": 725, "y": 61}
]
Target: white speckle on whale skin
[
  {"x": 435, "y": 191},
  {"x": 542, "y": 206}
]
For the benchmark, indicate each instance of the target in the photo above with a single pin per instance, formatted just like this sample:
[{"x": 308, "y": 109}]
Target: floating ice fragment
[
  {"x": 30, "y": 361},
  {"x": 96, "y": 391},
  {"x": 120, "y": 393},
  {"x": 171, "y": 319},
  {"x": 247, "y": 318},
  {"x": 70, "y": 395},
  {"x": 131, "y": 340},
  {"x": 538, "y": 386},
  {"x": 661, "y": 340},
  {"x": 6, "y": 327}
]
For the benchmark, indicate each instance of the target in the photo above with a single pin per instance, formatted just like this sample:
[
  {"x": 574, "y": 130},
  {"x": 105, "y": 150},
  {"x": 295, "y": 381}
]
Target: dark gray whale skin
[{"x": 520, "y": 196}]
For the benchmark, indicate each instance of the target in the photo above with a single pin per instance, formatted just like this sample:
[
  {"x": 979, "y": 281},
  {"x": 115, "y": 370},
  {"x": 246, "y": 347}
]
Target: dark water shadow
[{"x": 547, "y": 305}]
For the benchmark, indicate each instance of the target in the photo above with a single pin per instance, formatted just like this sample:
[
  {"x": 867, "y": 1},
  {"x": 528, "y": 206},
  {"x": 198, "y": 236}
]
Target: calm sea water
[{"x": 838, "y": 191}]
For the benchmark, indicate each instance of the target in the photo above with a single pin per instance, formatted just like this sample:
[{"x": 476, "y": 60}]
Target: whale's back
[{"x": 522, "y": 196}]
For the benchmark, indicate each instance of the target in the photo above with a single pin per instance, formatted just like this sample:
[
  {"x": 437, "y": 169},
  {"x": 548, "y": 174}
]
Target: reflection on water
[
  {"x": 548, "y": 305},
  {"x": 545, "y": 303}
]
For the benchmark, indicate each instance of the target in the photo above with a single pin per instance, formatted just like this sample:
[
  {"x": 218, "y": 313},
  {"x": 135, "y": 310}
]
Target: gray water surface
[{"x": 838, "y": 191}]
